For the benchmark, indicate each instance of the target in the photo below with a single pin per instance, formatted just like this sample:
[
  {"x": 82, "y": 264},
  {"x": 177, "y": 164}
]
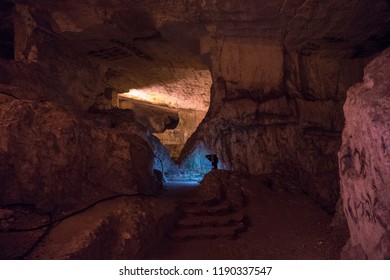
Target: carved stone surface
[{"x": 364, "y": 161}]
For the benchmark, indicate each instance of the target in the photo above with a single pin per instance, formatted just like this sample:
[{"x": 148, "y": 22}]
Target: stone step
[
  {"x": 202, "y": 210},
  {"x": 203, "y": 233},
  {"x": 213, "y": 221}
]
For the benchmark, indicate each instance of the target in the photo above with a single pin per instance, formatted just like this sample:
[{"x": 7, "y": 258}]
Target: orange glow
[
  {"x": 190, "y": 91},
  {"x": 157, "y": 95},
  {"x": 139, "y": 95}
]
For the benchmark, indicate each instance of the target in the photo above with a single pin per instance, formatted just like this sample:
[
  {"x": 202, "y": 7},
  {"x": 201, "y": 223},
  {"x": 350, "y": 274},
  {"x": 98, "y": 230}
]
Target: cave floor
[
  {"x": 225, "y": 217},
  {"x": 280, "y": 225}
]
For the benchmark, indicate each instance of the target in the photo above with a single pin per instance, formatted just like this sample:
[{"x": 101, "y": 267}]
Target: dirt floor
[
  {"x": 278, "y": 225},
  {"x": 228, "y": 216}
]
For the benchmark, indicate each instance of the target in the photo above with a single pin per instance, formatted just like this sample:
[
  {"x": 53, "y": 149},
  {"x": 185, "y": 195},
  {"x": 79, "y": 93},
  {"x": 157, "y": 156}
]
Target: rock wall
[
  {"x": 365, "y": 161},
  {"x": 124, "y": 121},
  {"x": 280, "y": 70},
  {"x": 64, "y": 53},
  {"x": 75, "y": 53},
  {"x": 175, "y": 139},
  {"x": 51, "y": 158},
  {"x": 156, "y": 118},
  {"x": 276, "y": 110},
  {"x": 44, "y": 67},
  {"x": 280, "y": 75}
]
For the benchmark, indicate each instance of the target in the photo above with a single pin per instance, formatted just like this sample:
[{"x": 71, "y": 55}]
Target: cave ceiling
[
  {"x": 156, "y": 44},
  {"x": 183, "y": 22}
]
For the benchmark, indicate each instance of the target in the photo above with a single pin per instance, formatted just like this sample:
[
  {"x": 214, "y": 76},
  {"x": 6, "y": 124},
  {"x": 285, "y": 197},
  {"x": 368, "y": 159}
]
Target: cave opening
[
  {"x": 172, "y": 121},
  {"x": 172, "y": 111}
]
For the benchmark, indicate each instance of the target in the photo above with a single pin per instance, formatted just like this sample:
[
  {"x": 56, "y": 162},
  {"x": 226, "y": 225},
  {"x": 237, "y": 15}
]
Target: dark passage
[{"x": 6, "y": 30}]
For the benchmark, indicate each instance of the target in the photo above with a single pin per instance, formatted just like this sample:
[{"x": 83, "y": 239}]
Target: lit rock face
[
  {"x": 261, "y": 123},
  {"x": 173, "y": 126},
  {"x": 175, "y": 139},
  {"x": 280, "y": 73},
  {"x": 155, "y": 118},
  {"x": 83, "y": 54},
  {"x": 365, "y": 163},
  {"x": 75, "y": 52},
  {"x": 57, "y": 161}
]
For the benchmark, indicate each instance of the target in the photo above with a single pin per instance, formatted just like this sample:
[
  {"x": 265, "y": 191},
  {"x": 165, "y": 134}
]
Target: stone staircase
[{"x": 211, "y": 219}]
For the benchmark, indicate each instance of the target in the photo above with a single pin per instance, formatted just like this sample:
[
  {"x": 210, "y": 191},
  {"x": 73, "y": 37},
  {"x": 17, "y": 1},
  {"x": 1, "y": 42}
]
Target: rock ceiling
[{"x": 157, "y": 45}]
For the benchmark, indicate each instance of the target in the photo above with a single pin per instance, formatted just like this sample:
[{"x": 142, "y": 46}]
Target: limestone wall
[{"x": 277, "y": 110}]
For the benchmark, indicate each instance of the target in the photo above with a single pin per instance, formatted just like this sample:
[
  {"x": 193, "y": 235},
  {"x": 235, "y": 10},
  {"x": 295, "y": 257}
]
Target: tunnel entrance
[
  {"x": 172, "y": 111},
  {"x": 174, "y": 139},
  {"x": 171, "y": 119}
]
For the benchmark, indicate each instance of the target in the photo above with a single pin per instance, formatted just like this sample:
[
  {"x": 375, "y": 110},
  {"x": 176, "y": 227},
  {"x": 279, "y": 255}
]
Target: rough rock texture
[
  {"x": 51, "y": 158},
  {"x": 156, "y": 118},
  {"x": 124, "y": 228},
  {"x": 172, "y": 126},
  {"x": 365, "y": 161},
  {"x": 175, "y": 139},
  {"x": 271, "y": 137},
  {"x": 124, "y": 122},
  {"x": 273, "y": 128},
  {"x": 43, "y": 67},
  {"x": 76, "y": 53},
  {"x": 279, "y": 69},
  {"x": 83, "y": 54},
  {"x": 280, "y": 72}
]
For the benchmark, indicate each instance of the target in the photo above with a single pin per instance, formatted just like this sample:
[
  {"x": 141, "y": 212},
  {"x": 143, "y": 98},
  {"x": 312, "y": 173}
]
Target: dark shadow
[{"x": 7, "y": 33}]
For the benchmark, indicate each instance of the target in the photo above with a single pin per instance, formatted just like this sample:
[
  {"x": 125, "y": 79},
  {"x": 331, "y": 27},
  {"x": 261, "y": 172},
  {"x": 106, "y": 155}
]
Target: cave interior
[{"x": 108, "y": 110}]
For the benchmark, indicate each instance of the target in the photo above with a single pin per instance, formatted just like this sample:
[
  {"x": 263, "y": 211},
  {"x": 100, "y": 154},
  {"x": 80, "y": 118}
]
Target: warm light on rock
[
  {"x": 190, "y": 111},
  {"x": 145, "y": 95},
  {"x": 161, "y": 96}
]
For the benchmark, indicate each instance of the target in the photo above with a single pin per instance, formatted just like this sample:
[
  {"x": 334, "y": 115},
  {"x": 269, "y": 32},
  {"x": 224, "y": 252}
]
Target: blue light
[
  {"x": 197, "y": 160},
  {"x": 192, "y": 170}
]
